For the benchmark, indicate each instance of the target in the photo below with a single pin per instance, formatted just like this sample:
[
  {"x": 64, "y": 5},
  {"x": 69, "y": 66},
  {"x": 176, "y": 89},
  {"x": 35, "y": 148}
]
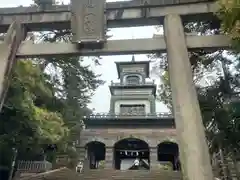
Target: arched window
[
  {"x": 131, "y": 154},
  {"x": 133, "y": 80},
  {"x": 168, "y": 154},
  {"x": 96, "y": 153}
]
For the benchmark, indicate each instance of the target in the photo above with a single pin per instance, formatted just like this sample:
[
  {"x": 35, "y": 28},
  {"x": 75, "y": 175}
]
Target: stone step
[{"x": 106, "y": 174}]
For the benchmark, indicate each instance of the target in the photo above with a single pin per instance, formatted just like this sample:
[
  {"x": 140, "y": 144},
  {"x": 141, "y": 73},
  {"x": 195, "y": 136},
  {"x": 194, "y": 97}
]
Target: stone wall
[{"x": 110, "y": 136}]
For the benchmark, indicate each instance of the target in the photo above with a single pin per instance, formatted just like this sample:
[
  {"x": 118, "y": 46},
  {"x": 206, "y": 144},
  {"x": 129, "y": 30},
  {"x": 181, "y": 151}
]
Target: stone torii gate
[{"x": 89, "y": 19}]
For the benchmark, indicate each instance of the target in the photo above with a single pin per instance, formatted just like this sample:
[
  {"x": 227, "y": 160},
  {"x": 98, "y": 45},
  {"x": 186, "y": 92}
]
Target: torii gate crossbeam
[
  {"x": 121, "y": 47},
  {"x": 118, "y": 14}
]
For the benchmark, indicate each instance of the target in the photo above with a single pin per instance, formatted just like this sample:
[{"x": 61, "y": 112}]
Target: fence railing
[{"x": 34, "y": 166}]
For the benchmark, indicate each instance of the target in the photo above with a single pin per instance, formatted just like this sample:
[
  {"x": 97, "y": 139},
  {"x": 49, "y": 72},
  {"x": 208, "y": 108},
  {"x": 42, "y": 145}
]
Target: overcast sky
[{"x": 101, "y": 99}]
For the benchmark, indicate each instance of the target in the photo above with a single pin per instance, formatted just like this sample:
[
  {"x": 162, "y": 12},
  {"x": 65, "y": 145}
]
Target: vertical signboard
[{"x": 88, "y": 21}]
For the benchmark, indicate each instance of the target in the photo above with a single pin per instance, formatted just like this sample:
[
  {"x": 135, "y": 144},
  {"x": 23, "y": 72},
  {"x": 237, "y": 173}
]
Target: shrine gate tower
[{"x": 132, "y": 135}]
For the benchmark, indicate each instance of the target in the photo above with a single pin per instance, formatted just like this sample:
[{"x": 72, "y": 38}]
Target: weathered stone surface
[
  {"x": 109, "y": 158},
  {"x": 133, "y": 175},
  {"x": 88, "y": 21},
  {"x": 110, "y": 5},
  {"x": 110, "y": 136},
  {"x": 192, "y": 142},
  {"x": 121, "y": 47},
  {"x": 122, "y": 15},
  {"x": 106, "y": 174},
  {"x": 8, "y": 51},
  {"x": 154, "y": 163}
]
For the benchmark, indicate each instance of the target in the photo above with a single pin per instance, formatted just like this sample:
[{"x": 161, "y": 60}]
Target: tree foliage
[
  {"x": 219, "y": 103},
  {"x": 25, "y": 113},
  {"x": 26, "y": 121},
  {"x": 75, "y": 82},
  {"x": 229, "y": 14},
  {"x": 216, "y": 77},
  {"x": 45, "y": 104}
]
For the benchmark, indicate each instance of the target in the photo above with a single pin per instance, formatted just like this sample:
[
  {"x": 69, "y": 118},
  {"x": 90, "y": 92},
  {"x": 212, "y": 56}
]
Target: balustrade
[
  {"x": 139, "y": 84},
  {"x": 130, "y": 115}
]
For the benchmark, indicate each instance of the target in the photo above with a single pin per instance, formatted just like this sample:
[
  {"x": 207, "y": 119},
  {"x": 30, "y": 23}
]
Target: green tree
[
  {"x": 216, "y": 77},
  {"x": 46, "y": 101},
  {"x": 74, "y": 81},
  {"x": 229, "y": 14},
  {"x": 26, "y": 122}
]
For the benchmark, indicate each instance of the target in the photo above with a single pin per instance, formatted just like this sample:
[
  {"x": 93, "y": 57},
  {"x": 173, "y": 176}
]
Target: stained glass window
[{"x": 136, "y": 109}]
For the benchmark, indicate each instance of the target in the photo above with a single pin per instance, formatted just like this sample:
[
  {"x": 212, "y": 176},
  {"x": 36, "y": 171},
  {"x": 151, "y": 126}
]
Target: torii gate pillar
[
  {"x": 194, "y": 153},
  {"x": 8, "y": 49}
]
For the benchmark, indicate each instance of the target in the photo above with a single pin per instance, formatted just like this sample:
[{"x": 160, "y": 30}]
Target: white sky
[{"x": 101, "y": 99}]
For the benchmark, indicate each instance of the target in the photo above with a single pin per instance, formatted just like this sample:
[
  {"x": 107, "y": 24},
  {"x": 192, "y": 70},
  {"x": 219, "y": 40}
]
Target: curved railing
[{"x": 110, "y": 115}]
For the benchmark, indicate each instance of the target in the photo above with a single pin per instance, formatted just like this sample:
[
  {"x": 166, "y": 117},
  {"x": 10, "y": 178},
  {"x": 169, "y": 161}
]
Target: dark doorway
[
  {"x": 96, "y": 153},
  {"x": 169, "y": 152}
]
